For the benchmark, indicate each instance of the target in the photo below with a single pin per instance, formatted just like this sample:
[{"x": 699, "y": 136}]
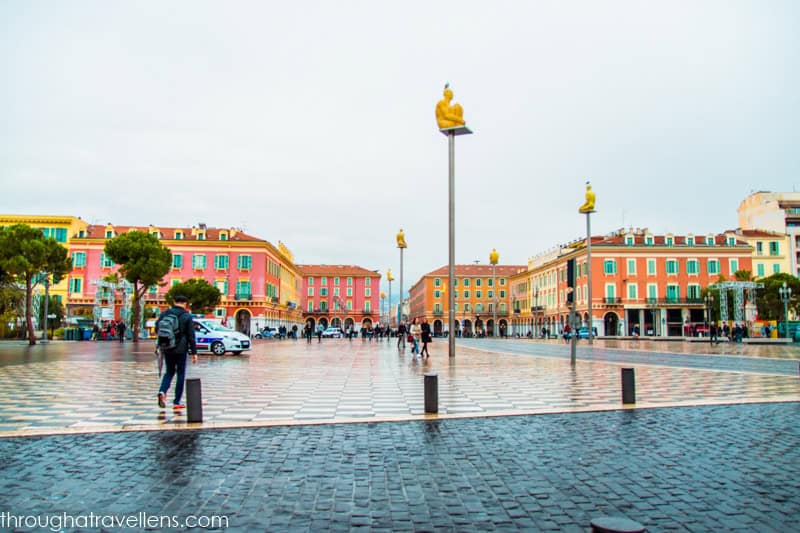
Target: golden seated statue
[
  {"x": 401, "y": 239},
  {"x": 449, "y": 116},
  {"x": 588, "y": 206}
]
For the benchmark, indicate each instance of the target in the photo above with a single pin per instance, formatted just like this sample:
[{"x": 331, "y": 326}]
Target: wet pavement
[
  {"x": 279, "y": 450},
  {"x": 710, "y": 468},
  {"x": 106, "y": 386}
]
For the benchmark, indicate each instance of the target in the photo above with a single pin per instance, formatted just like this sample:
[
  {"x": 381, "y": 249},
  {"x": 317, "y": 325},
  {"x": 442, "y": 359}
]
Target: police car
[{"x": 213, "y": 337}]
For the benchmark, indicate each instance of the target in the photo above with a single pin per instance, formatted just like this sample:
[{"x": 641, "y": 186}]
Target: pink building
[{"x": 340, "y": 296}]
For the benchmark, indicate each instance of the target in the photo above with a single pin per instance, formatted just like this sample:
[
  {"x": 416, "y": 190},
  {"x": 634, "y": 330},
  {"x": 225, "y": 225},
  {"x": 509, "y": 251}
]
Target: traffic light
[{"x": 570, "y": 280}]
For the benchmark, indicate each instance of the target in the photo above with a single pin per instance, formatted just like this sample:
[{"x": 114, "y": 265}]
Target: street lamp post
[
  {"x": 709, "y": 305},
  {"x": 390, "y": 278},
  {"x": 383, "y": 306},
  {"x": 47, "y": 302},
  {"x": 401, "y": 243},
  {"x": 493, "y": 257},
  {"x": 587, "y": 209},
  {"x": 785, "y": 294}
]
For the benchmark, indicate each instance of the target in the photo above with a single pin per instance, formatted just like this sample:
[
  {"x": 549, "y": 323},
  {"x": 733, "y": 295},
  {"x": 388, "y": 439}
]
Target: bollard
[
  {"x": 431, "y": 392},
  {"x": 615, "y": 524},
  {"x": 194, "y": 400},
  {"x": 628, "y": 386}
]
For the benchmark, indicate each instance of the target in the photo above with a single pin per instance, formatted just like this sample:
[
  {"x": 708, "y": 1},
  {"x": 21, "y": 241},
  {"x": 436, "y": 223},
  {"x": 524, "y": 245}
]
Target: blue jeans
[
  {"x": 415, "y": 349},
  {"x": 174, "y": 363}
]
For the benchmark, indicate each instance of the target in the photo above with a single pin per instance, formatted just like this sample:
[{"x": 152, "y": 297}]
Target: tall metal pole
[
  {"x": 401, "y": 292},
  {"x": 46, "y": 303},
  {"x": 589, "y": 273},
  {"x": 494, "y": 307},
  {"x": 451, "y": 265}
]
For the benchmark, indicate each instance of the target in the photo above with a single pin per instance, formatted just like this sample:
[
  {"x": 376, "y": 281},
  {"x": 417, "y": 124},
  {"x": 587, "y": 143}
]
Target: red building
[{"x": 343, "y": 296}]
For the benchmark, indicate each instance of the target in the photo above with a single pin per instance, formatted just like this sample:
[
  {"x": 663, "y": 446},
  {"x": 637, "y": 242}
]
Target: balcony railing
[
  {"x": 244, "y": 295},
  {"x": 610, "y": 300},
  {"x": 675, "y": 301},
  {"x": 367, "y": 311},
  {"x": 438, "y": 313}
]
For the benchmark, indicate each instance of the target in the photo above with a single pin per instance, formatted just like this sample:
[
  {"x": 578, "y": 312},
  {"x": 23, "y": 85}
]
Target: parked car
[
  {"x": 335, "y": 333},
  {"x": 215, "y": 338},
  {"x": 267, "y": 333},
  {"x": 583, "y": 333}
]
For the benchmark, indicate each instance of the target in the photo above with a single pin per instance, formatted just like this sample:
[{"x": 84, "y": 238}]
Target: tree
[
  {"x": 143, "y": 261},
  {"x": 54, "y": 307},
  {"x": 768, "y": 300},
  {"x": 202, "y": 295},
  {"x": 25, "y": 254}
]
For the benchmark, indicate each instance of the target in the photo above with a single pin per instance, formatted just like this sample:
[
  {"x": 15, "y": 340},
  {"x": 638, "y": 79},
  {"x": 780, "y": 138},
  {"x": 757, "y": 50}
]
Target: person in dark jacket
[
  {"x": 426, "y": 338},
  {"x": 175, "y": 358}
]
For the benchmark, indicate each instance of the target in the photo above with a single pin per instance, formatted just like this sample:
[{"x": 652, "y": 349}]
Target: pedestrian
[
  {"x": 95, "y": 331},
  {"x": 175, "y": 347},
  {"x": 320, "y": 329},
  {"x": 426, "y": 338},
  {"x": 294, "y": 331},
  {"x": 307, "y": 332},
  {"x": 415, "y": 332},
  {"x": 401, "y": 334},
  {"x": 567, "y": 330},
  {"x": 713, "y": 332},
  {"x": 121, "y": 330},
  {"x": 726, "y": 331}
]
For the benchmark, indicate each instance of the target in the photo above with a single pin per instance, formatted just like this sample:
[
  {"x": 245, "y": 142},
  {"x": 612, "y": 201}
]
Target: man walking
[
  {"x": 175, "y": 338},
  {"x": 401, "y": 335},
  {"x": 121, "y": 330}
]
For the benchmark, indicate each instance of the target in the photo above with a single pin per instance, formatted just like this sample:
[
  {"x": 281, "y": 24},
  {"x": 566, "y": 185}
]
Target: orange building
[
  {"x": 481, "y": 293},
  {"x": 645, "y": 283}
]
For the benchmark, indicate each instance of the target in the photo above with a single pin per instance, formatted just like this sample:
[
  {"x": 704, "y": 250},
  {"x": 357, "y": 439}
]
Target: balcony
[
  {"x": 612, "y": 300},
  {"x": 675, "y": 301},
  {"x": 437, "y": 313},
  {"x": 317, "y": 311},
  {"x": 243, "y": 296},
  {"x": 275, "y": 300},
  {"x": 367, "y": 311},
  {"x": 534, "y": 310}
]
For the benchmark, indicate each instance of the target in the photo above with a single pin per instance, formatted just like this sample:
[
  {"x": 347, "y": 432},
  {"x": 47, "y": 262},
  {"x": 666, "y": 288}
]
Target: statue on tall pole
[{"x": 587, "y": 209}]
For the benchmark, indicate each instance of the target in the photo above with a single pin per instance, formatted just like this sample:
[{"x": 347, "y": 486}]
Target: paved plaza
[{"x": 715, "y": 449}]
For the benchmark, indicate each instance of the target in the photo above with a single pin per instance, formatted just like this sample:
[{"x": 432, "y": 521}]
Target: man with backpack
[{"x": 175, "y": 332}]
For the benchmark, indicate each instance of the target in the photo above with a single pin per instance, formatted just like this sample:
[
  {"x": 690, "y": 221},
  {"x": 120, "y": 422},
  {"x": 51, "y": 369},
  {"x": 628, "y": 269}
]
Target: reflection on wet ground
[{"x": 108, "y": 386}]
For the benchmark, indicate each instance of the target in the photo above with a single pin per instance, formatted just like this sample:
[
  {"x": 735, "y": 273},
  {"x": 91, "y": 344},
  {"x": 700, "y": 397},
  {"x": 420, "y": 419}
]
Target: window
[
  {"x": 437, "y": 282},
  {"x": 489, "y": 294},
  {"x": 201, "y": 236},
  {"x": 178, "y": 235},
  {"x": 733, "y": 265},
  {"x": 609, "y": 266},
  {"x": 222, "y": 286},
  {"x": 669, "y": 241},
  {"x": 709, "y": 241},
  {"x": 713, "y": 266},
  {"x": 219, "y": 312},
  {"x": 689, "y": 241},
  {"x": 367, "y": 291},
  {"x": 467, "y": 307},
  {"x": 437, "y": 308},
  {"x": 490, "y": 282},
  {"x": 693, "y": 292},
  {"x": 366, "y": 305},
  {"x": 478, "y": 308},
  {"x": 152, "y": 289},
  {"x": 651, "y": 267},
  {"x": 502, "y": 294},
  {"x": 199, "y": 262},
  {"x": 774, "y": 248},
  {"x": 648, "y": 240},
  {"x": 109, "y": 234},
  {"x": 760, "y": 270},
  {"x": 502, "y": 282},
  {"x": 156, "y": 234},
  {"x": 437, "y": 294},
  {"x": 478, "y": 294},
  {"x": 75, "y": 285},
  {"x": 336, "y": 281},
  {"x": 323, "y": 280},
  {"x": 61, "y": 234},
  {"x": 174, "y": 282},
  {"x": 652, "y": 291},
  {"x": 245, "y": 262},
  {"x": 323, "y": 291},
  {"x": 349, "y": 304},
  {"x": 223, "y": 236},
  {"x": 692, "y": 266},
  {"x": 221, "y": 262},
  {"x": 502, "y": 308},
  {"x": 466, "y": 294},
  {"x": 759, "y": 248},
  {"x": 673, "y": 292},
  {"x": 367, "y": 282},
  {"x": 478, "y": 282},
  {"x": 311, "y": 291},
  {"x": 455, "y": 294},
  {"x": 349, "y": 291},
  {"x": 177, "y": 261},
  {"x": 105, "y": 261},
  {"x": 310, "y": 306},
  {"x": 632, "y": 291},
  {"x": 323, "y": 306},
  {"x": 466, "y": 282},
  {"x": 243, "y": 289},
  {"x": 776, "y": 268},
  {"x": 79, "y": 259},
  {"x": 311, "y": 280},
  {"x": 611, "y": 291},
  {"x": 349, "y": 282},
  {"x": 629, "y": 240},
  {"x": 455, "y": 282},
  {"x": 336, "y": 291},
  {"x": 672, "y": 266},
  {"x": 731, "y": 241},
  {"x": 631, "y": 266}
]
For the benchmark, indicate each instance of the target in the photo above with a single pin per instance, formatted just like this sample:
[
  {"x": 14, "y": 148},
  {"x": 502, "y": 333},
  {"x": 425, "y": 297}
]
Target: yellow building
[
  {"x": 62, "y": 228},
  {"x": 777, "y": 212},
  {"x": 771, "y": 253}
]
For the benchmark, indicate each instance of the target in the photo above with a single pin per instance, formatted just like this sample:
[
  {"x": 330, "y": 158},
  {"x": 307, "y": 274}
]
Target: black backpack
[{"x": 169, "y": 328}]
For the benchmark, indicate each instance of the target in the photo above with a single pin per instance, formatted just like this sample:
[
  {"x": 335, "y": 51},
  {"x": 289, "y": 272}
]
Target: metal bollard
[
  {"x": 194, "y": 400},
  {"x": 628, "y": 386},
  {"x": 431, "y": 392},
  {"x": 616, "y": 524}
]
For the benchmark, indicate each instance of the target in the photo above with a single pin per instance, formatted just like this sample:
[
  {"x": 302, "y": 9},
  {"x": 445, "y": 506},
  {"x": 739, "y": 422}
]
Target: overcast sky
[{"x": 313, "y": 123}]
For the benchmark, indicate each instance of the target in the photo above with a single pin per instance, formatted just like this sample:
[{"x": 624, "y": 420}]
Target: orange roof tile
[{"x": 336, "y": 270}]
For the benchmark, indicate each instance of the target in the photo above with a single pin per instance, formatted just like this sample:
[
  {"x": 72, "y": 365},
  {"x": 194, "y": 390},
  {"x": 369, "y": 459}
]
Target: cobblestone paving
[
  {"x": 67, "y": 387},
  {"x": 711, "y": 468}
]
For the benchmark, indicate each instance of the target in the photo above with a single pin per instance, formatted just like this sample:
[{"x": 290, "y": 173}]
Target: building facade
[
  {"x": 258, "y": 281},
  {"x": 342, "y": 296},
  {"x": 771, "y": 251},
  {"x": 641, "y": 282},
  {"x": 481, "y": 294},
  {"x": 777, "y": 212}
]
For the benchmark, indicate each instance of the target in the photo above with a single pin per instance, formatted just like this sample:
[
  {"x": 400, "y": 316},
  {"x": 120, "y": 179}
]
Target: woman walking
[
  {"x": 426, "y": 338},
  {"x": 415, "y": 332}
]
